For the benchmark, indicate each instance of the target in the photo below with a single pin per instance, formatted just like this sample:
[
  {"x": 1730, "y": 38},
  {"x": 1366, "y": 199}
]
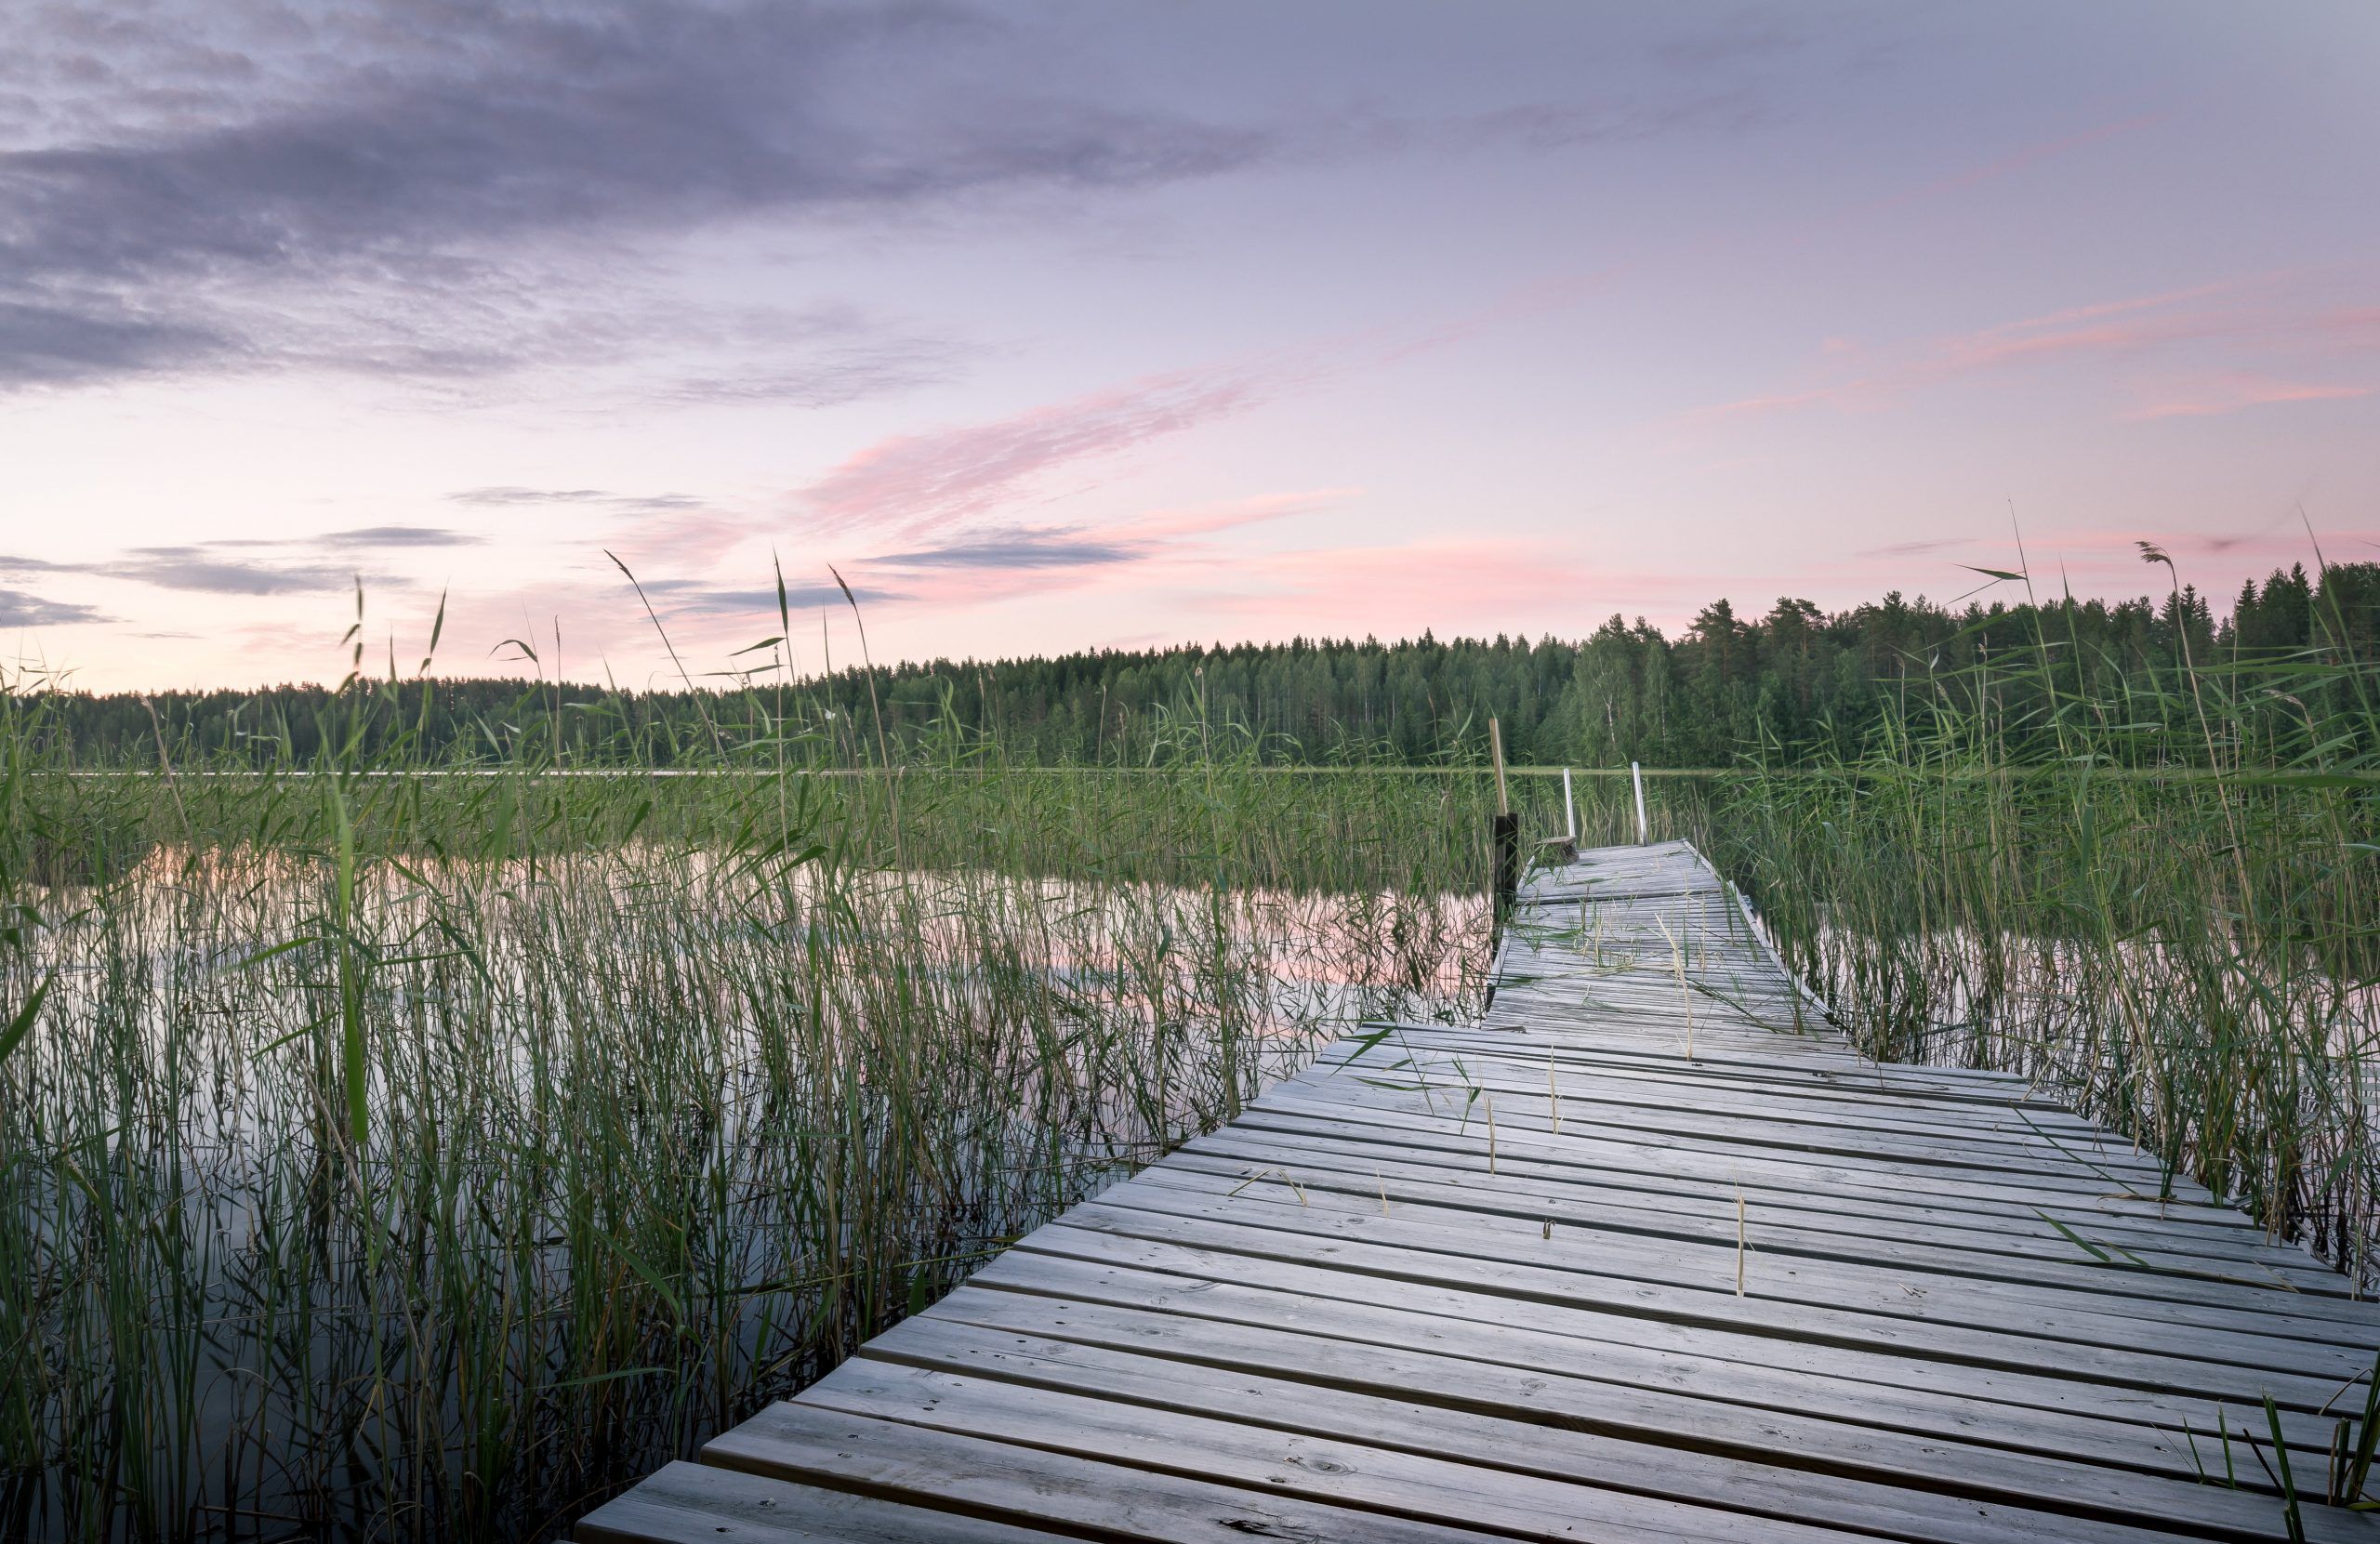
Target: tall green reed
[
  {"x": 400, "y": 1152},
  {"x": 2159, "y": 900}
]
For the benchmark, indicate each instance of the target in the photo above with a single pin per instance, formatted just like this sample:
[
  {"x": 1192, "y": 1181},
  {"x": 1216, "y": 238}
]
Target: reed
[
  {"x": 399, "y": 1147},
  {"x": 397, "y": 1151},
  {"x": 2164, "y": 908}
]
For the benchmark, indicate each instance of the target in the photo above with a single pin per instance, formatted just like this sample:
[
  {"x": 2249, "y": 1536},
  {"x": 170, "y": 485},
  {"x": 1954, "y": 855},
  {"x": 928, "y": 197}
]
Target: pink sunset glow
[{"x": 1052, "y": 328}]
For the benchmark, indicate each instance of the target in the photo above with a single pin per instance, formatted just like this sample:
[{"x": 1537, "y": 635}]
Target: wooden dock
[{"x": 1648, "y": 1254}]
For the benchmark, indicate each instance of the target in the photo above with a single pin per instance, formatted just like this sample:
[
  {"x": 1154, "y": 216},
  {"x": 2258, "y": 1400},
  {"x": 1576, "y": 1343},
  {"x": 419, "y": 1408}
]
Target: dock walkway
[{"x": 1650, "y": 1253}]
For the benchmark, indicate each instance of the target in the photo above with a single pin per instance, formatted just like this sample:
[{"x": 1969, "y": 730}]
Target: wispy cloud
[
  {"x": 1016, "y": 549},
  {"x": 381, "y": 158},
  {"x": 60, "y": 343},
  {"x": 2232, "y": 391},
  {"x": 2022, "y": 158},
  {"x": 23, "y": 609},
  {"x": 695, "y": 599},
  {"x": 297, "y": 565},
  {"x": 877, "y": 366},
  {"x": 509, "y": 495},
  {"x": 640, "y": 114},
  {"x": 205, "y": 570},
  {"x": 1199, "y": 519},
  {"x": 684, "y": 540},
  {"x": 397, "y": 535},
  {"x": 2151, "y": 335},
  {"x": 912, "y": 484},
  {"x": 987, "y": 562}
]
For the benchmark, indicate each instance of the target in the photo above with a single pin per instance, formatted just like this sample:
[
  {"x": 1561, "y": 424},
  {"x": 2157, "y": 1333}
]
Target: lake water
[{"x": 445, "y": 1210}]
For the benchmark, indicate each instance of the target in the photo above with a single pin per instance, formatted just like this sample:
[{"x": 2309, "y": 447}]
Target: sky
[{"x": 1052, "y": 326}]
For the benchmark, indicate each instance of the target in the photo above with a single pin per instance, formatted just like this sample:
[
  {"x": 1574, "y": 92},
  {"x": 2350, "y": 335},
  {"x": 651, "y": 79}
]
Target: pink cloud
[
  {"x": 1912, "y": 548},
  {"x": 1198, "y": 520},
  {"x": 2023, "y": 158},
  {"x": 906, "y": 486},
  {"x": 1555, "y": 292},
  {"x": 685, "y": 540},
  {"x": 2232, "y": 391},
  {"x": 2109, "y": 326},
  {"x": 981, "y": 562},
  {"x": 912, "y": 484},
  {"x": 2172, "y": 321},
  {"x": 1442, "y": 583}
]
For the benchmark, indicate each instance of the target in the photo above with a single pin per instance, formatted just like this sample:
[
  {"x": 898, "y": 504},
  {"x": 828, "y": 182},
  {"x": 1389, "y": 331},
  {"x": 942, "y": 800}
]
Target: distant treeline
[{"x": 1795, "y": 684}]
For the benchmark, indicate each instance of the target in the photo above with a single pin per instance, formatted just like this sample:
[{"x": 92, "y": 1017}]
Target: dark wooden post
[
  {"x": 1506, "y": 831},
  {"x": 1507, "y": 828}
]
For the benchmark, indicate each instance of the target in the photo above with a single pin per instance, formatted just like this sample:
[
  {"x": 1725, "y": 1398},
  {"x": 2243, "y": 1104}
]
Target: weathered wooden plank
[
  {"x": 1525, "y": 1084},
  {"x": 1527, "y": 1064},
  {"x": 1968, "y": 1137},
  {"x": 2074, "y": 1308},
  {"x": 2064, "y": 1417},
  {"x": 1603, "y": 1153},
  {"x": 1017, "y": 1484},
  {"x": 1874, "y": 1084},
  {"x": 1576, "y": 1158},
  {"x": 1391, "y": 1480},
  {"x": 1714, "y": 1309},
  {"x": 1967, "y": 1315},
  {"x": 1279, "y": 1380},
  {"x": 687, "y": 1501},
  {"x": 1593, "y": 1157},
  {"x": 2017, "y": 1187},
  {"x": 1950, "y": 1159},
  {"x": 1711, "y": 1215}
]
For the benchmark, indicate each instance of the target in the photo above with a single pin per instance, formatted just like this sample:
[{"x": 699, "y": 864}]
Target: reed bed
[
  {"x": 387, "y": 1154},
  {"x": 404, "y": 1152},
  {"x": 2162, "y": 906}
]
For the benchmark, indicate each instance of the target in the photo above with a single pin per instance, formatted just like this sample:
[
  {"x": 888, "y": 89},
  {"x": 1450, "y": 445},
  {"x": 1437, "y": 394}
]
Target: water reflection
[{"x": 440, "y": 1206}]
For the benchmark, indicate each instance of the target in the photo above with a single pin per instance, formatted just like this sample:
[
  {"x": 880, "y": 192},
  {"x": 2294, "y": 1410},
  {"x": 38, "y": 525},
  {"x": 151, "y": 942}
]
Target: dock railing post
[
  {"x": 1569, "y": 810},
  {"x": 1506, "y": 829},
  {"x": 1638, "y": 773}
]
